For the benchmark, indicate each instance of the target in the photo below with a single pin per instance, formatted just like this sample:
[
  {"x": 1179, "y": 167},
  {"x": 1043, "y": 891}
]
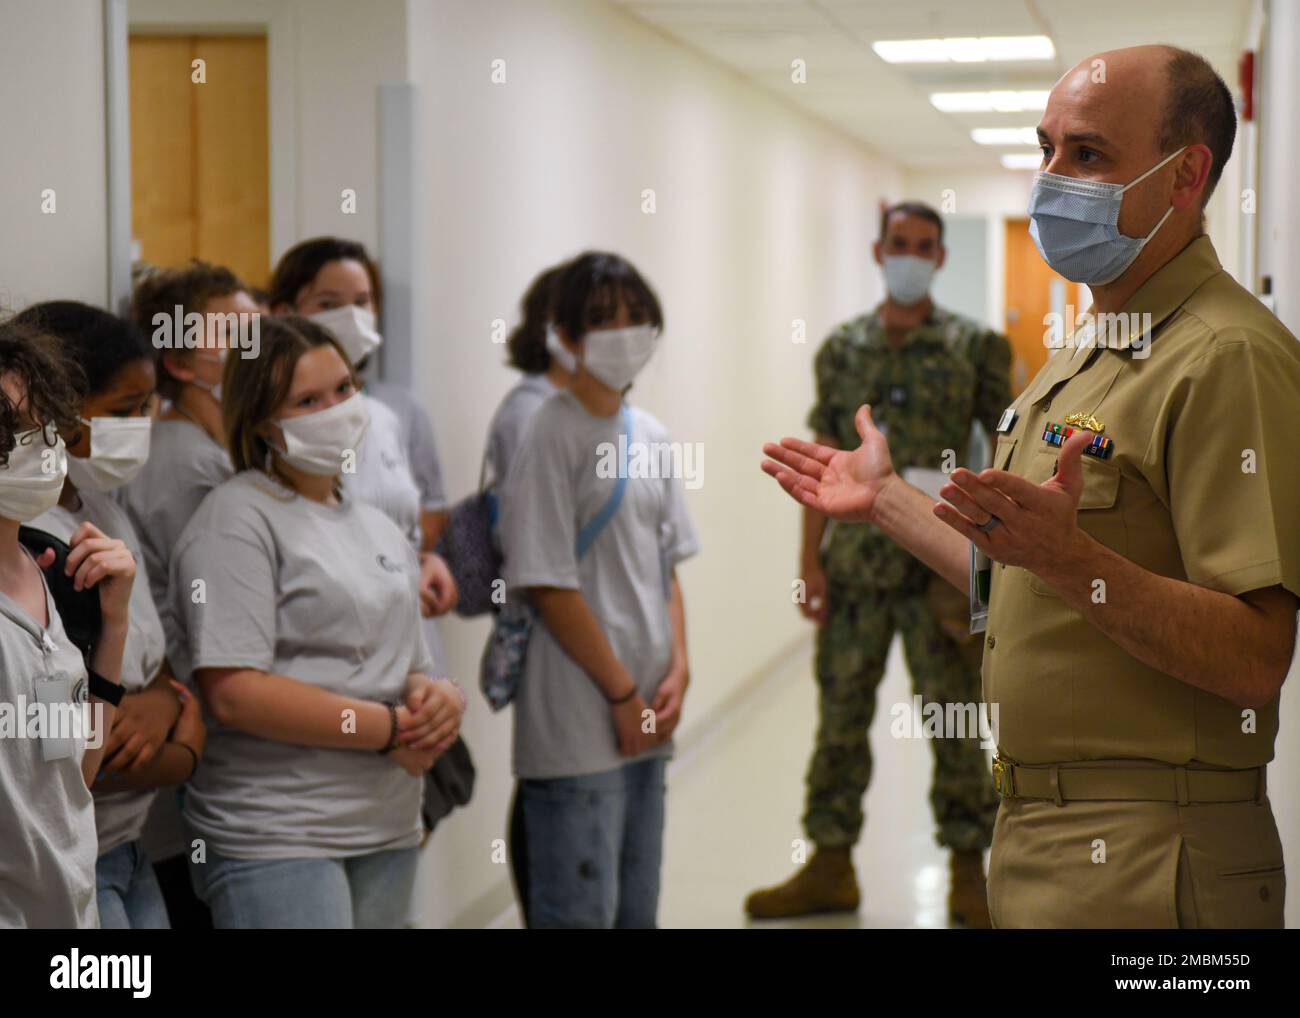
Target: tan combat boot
[
  {"x": 968, "y": 899},
  {"x": 826, "y": 883}
]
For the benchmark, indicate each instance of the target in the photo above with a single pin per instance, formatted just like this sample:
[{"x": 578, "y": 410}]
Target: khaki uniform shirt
[
  {"x": 924, "y": 395},
  {"x": 1201, "y": 485}
]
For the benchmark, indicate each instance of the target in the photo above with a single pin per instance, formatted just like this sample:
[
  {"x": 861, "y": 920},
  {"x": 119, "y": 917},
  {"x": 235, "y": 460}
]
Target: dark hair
[
  {"x": 253, "y": 388},
  {"x": 55, "y": 386},
  {"x": 1198, "y": 110},
  {"x": 910, "y": 208},
  {"x": 302, "y": 263},
  {"x": 100, "y": 343},
  {"x": 527, "y": 343},
  {"x": 188, "y": 287},
  {"x": 592, "y": 286}
]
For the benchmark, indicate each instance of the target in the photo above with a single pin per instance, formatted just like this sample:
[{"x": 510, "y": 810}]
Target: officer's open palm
[{"x": 842, "y": 484}]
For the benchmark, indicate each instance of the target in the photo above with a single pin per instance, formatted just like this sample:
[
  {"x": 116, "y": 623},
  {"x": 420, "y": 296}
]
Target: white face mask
[
  {"x": 317, "y": 443},
  {"x": 119, "y": 448},
  {"x": 213, "y": 389},
  {"x": 907, "y": 277},
  {"x": 30, "y": 484},
  {"x": 354, "y": 328},
  {"x": 562, "y": 355},
  {"x": 615, "y": 356}
]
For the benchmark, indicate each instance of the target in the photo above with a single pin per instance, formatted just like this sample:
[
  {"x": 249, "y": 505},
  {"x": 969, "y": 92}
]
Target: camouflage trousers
[{"x": 944, "y": 661}]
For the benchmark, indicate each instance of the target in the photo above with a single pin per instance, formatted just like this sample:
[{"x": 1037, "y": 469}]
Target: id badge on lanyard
[
  {"x": 981, "y": 580},
  {"x": 63, "y": 699}
]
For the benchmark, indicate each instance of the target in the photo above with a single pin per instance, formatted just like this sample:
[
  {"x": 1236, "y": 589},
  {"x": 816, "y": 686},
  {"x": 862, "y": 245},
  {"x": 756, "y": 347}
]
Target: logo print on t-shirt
[{"x": 388, "y": 564}]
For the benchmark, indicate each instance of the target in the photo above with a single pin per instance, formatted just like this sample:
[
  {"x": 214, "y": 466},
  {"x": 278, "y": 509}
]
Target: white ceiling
[{"x": 886, "y": 106}]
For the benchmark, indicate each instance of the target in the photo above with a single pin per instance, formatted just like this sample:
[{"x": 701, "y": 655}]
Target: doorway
[
  {"x": 1032, "y": 290},
  {"x": 200, "y": 181}
]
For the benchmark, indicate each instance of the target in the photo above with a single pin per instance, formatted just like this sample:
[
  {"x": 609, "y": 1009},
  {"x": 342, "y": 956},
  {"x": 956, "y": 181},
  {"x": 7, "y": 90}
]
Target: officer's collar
[{"x": 1152, "y": 304}]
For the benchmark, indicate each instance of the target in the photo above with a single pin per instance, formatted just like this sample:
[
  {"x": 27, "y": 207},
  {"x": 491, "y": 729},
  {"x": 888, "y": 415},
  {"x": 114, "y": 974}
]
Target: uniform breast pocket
[{"x": 1100, "y": 514}]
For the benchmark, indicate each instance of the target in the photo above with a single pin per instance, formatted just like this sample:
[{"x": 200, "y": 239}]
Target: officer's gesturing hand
[
  {"x": 842, "y": 484},
  {"x": 1034, "y": 521}
]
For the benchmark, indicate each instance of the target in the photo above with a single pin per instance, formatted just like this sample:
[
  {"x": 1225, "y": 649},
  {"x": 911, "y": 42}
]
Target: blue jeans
[
  {"x": 595, "y": 844},
  {"x": 360, "y": 892},
  {"x": 127, "y": 890}
]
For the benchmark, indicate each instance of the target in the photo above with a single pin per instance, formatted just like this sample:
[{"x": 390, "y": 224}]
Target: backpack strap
[{"x": 589, "y": 533}]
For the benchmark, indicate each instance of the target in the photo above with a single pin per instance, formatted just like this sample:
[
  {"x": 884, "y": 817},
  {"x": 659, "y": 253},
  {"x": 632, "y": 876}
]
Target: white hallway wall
[
  {"x": 52, "y": 138},
  {"x": 762, "y": 217}
]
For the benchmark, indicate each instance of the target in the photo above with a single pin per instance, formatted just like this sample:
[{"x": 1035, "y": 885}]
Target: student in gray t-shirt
[
  {"x": 109, "y": 447},
  {"x": 606, "y": 667},
  {"x": 47, "y": 865},
  {"x": 336, "y": 283},
  {"x": 302, "y": 608},
  {"x": 187, "y": 459},
  {"x": 547, "y": 367}
]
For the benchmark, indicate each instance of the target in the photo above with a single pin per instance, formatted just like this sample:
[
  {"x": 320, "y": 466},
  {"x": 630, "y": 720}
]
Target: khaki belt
[{"x": 1085, "y": 781}]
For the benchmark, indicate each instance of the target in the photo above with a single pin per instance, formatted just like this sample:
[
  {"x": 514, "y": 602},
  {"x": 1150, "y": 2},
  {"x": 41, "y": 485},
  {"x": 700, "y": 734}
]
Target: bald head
[{"x": 1146, "y": 101}]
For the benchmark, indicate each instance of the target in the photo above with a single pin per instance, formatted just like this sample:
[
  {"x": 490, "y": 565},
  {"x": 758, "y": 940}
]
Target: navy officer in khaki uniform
[{"x": 1141, "y": 520}]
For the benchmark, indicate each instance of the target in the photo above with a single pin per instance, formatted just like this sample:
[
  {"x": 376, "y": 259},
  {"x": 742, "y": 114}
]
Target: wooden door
[
  {"x": 1032, "y": 290},
  {"x": 200, "y": 151}
]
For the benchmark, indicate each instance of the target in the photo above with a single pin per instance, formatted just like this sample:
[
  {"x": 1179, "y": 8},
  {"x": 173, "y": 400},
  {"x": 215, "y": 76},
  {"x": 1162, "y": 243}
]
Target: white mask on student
[
  {"x": 32, "y": 481},
  {"x": 119, "y": 448},
  {"x": 316, "y": 443},
  {"x": 563, "y": 356},
  {"x": 354, "y": 328},
  {"x": 616, "y": 356}
]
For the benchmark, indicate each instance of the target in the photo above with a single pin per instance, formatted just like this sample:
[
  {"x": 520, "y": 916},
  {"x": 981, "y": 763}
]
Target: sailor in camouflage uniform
[{"x": 928, "y": 375}]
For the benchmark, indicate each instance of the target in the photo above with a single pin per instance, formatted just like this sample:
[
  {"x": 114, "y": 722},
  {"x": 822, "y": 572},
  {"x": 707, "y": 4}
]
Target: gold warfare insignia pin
[{"x": 1085, "y": 421}]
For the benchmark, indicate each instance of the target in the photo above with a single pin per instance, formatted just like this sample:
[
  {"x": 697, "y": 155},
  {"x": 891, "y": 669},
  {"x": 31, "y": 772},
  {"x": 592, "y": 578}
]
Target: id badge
[
  {"x": 981, "y": 580},
  {"x": 63, "y": 715}
]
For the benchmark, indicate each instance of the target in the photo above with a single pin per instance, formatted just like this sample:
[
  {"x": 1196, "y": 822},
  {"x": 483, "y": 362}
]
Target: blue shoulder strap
[{"x": 588, "y": 534}]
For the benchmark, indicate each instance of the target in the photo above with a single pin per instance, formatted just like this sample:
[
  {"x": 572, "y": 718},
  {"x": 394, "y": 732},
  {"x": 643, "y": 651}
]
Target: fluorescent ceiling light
[
  {"x": 1022, "y": 161},
  {"x": 965, "y": 49},
  {"x": 1005, "y": 136},
  {"x": 989, "y": 102}
]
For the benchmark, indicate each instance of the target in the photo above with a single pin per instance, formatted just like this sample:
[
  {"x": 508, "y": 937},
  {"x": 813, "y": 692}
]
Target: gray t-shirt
[
  {"x": 385, "y": 478},
  {"x": 421, "y": 446},
  {"x": 47, "y": 818},
  {"x": 327, "y": 595},
  {"x": 562, "y": 720},
  {"x": 119, "y": 816},
  {"x": 506, "y": 432},
  {"x": 184, "y": 465}
]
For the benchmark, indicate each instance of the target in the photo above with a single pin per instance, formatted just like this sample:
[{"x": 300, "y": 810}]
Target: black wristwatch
[{"x": 100, "y": 688}]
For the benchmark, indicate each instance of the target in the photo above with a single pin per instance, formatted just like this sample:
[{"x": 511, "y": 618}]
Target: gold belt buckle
[{"x": 1004, "y": 778}]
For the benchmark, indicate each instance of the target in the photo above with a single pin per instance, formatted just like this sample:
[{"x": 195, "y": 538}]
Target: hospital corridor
[{"x": 659, "y": 465}]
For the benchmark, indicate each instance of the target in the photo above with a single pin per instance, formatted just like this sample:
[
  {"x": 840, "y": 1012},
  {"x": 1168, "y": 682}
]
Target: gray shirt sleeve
[
  {"x": 538, "y": 514},
  {"x": 422, "y": 451},
  {"x": 230, "y": 619}
]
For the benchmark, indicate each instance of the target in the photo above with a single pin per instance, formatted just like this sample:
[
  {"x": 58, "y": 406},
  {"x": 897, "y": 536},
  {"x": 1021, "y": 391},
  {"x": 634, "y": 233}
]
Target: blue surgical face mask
[
  {"x": 907, "y": 277},
  {"x": 1075, "y": 225}
]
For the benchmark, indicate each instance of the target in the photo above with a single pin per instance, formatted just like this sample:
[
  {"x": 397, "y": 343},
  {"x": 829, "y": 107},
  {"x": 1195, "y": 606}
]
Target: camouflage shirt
[{"x": 925, "y": 395}]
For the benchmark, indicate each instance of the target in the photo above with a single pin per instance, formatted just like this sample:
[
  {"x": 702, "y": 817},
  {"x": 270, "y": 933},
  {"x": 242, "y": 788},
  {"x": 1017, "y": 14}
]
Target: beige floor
[
  {"x": 735, "y": 801},
  {"x": 736, "y": 796}
]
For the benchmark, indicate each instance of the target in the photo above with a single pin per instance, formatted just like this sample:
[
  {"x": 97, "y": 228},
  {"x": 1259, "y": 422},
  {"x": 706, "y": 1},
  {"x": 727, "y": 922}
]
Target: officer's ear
[
  {"x": 943, "y": 257},
  {"x": 875, "y": 253}
]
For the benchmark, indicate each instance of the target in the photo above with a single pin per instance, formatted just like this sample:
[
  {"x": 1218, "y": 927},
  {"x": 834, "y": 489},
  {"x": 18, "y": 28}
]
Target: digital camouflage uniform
[{"x": 925, "y": 395}]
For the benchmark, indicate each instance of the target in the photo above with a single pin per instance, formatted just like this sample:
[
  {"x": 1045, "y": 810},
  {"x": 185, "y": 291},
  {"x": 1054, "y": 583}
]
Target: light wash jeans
[
  {"x": 355, "y": 892},
  {"x": 127, "y": 890},
  {"x": 594, "y": 847}
]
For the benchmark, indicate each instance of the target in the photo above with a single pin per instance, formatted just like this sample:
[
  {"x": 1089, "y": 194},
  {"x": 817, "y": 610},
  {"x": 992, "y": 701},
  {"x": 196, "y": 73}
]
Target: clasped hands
[{"x": 428, "y": 721}]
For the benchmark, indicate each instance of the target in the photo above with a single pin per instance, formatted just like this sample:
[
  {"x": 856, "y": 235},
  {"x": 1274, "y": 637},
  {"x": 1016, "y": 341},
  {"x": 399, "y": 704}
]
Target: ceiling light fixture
[{"x": 965, "y": 49}]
